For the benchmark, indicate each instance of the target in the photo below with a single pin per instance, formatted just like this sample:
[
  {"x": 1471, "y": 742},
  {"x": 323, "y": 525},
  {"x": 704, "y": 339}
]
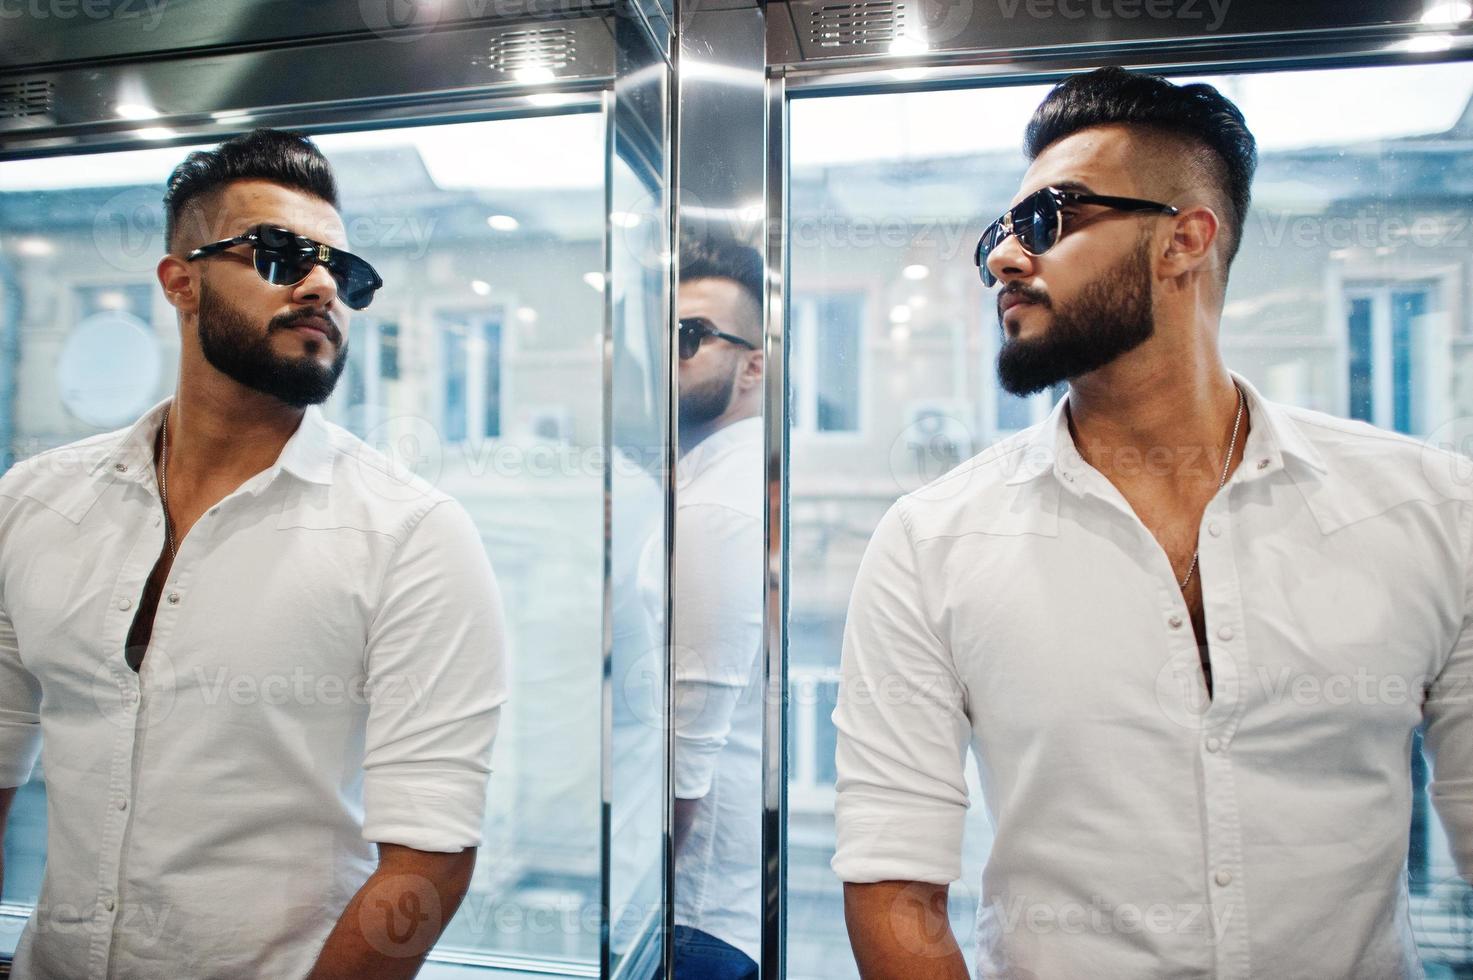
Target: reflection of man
[
  {"x": 247, "y": 648},
  {"x": 718, "y": 616},
  {"x": 1043, "y": 601}
]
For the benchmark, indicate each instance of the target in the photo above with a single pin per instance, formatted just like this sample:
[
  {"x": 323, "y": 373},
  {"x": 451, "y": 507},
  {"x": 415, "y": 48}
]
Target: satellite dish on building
[{"x": 109, "y": 369}]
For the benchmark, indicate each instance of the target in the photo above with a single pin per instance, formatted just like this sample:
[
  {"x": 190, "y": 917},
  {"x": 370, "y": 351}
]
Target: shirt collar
[
  {"x": 1273, "y": 437},
  {"x": 308, "y": 454}
]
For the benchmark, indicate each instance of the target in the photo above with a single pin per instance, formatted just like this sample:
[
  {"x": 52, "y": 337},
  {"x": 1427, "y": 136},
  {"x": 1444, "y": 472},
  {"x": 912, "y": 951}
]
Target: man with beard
[
  {"x": 1110, "y": 607},
  {"x": 718, "y": 614},
  {"x": 248, "y": 648}
]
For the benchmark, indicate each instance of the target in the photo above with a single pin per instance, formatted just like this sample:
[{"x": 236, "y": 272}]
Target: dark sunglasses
[
  {"x": 695, "y": 329},
  {"x": 284, "y": 258},
  {"x": 1038, "y": 221}
]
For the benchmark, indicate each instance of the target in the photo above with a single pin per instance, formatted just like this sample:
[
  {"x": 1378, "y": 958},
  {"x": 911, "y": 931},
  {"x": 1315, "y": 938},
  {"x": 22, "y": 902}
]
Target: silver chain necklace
[
  {"x": 1232, "y": 444},
  {"x": 164, "y": 487}
]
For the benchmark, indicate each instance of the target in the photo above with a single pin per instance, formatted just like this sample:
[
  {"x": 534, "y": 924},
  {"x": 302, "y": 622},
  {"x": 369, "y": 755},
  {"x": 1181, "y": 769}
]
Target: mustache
[
  {"x": 1031, "y": 294},
  {"x": 289, "y": 320}
]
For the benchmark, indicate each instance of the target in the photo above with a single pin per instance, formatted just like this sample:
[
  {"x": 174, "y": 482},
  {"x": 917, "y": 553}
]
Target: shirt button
[
  {"x": 129, "y": 697},
  {"x": 1175, "y": 622},
  {"x": 1214, "y": 743},
  {"x": 1214, "y": 529},
  {"x": 122, "y": 804},
  {"x": 1226, "y": 633},
  {"x": 1223, "y": 878},
  {"x": 121, "y": 467},
  {"x": 108, "y": 905},
  {"x": 174, "y": 600},
  {"x": 124, "y": 604},
  {"x": 1263, "y": 464}
]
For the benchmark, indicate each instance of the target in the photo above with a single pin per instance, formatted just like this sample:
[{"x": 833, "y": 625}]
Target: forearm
[
  {"x": 685, "y": 814},
  {"x": 397, "y": 916},
  {"x": 899, "y": 930}
]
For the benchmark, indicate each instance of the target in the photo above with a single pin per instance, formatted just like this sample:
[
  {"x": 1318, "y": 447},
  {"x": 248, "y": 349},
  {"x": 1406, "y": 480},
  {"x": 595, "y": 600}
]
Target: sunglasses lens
[
  {"x": 990, "y": 240},
  {"x": 1038, "y": 229},
  {"x": 357, "y": 282},
  {"x": 283, "y": 268},
  {"x": 688, "y": 340}
]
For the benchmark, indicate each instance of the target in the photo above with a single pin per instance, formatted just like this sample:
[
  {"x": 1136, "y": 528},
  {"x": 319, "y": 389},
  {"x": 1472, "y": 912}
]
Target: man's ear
[
  {"x": 750, "y": 373},
  {"x": 1193, "y": 242},
  {"x": 179, "y": 282}
]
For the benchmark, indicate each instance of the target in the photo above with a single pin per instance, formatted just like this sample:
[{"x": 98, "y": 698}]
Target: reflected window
[
  {"x": 828, "y": 345},
  {"x": 470, "y": 352}
]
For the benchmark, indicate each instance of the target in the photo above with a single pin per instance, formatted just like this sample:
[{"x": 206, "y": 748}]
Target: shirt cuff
[
  {"x": 880, "y": 840},
  {"x": 20, "y": 746},
  {"x": 434, "y": 810}
]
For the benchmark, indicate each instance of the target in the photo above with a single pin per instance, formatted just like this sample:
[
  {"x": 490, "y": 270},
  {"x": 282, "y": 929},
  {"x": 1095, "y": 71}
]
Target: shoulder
[
  {"x": 1388, "y": 467},
  {"x": 977, "y": 495},
  {"x": 63, "y": 478},
  {"x": 372, "y": 490}
]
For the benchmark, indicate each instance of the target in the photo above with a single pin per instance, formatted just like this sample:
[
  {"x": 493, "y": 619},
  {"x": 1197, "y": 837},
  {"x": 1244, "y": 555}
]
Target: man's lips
[
  {"x": 1009, "y": 300},
  {"x": 318, "y": 327}
]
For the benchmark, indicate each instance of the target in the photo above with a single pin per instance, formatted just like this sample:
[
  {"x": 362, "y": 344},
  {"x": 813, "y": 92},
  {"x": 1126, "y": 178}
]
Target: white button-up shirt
[
  {"x": 720, "y": 574},
  {"x": 1018, "y": 605},
  {"x": 325, "y": 672}
]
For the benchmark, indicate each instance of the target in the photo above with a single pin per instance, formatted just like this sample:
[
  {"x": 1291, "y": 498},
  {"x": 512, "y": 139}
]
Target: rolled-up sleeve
[
  {"x": 718, "y": 633},
  {"x": 901, "y": 793},
  {"x": 20, "y": 706},
  {"x": 1448, "y": 739},
  {"x": 20, "y": 692},
  {"x": 436, "y": 665}
]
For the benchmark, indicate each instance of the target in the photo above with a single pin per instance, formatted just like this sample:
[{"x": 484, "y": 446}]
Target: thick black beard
[
  {"x": 1112, "y": 316},
  {"x": 703, "y": 404},
  {"x": 235, "y": 349}
]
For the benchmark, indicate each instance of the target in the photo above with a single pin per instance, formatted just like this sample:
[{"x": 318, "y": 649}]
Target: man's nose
[
  {"x": 1009, "y": 261},
  {"x": 319, "y": 287}
]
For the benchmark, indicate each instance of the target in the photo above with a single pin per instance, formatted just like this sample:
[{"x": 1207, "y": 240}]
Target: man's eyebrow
[{"x": 1073, "y": 185}]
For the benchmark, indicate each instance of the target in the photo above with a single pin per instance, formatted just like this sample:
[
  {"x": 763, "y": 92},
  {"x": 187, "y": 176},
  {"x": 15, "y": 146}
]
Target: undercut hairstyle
[
  {"x": 724, "y": 258},
  {"x": 281, "y": 157},
  {"x": 1197, "y": 116}
]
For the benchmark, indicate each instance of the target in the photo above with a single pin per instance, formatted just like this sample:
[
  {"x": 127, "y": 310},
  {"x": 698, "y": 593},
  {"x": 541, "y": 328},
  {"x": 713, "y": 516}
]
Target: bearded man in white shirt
[
  {"x": 247, "y": 647},
  {"x": 1109, "y": 607},
  {"x": 718, "y": 591}
]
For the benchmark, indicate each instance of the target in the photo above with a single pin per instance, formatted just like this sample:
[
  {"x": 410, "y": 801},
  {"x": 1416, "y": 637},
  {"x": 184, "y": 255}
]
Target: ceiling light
[
  {"x": 1451, "y": 12},
  {"x": 1426, "y": 44},
  {"x": 136, "y": 110}
]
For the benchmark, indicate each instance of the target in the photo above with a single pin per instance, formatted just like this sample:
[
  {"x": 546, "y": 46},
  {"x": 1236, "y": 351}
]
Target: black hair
[
  {"x": 1197, "y": 113},
  {"x": 719, "y": 257},
  {"x": 282, "y": 157}
]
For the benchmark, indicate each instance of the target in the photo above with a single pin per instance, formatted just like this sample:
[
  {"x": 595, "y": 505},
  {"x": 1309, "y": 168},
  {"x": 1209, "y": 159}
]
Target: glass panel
[
  {"x": 639, "y": 433},
  {"x": 479, "y": 366},
  {"x": 1347, "y": 298}
]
